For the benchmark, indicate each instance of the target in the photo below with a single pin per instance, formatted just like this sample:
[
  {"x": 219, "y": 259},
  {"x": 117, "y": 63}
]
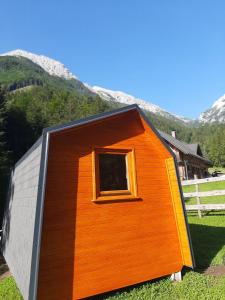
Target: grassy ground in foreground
[
  {"x": 9, "y": 290},
  {"x": 194, "y": 286}
]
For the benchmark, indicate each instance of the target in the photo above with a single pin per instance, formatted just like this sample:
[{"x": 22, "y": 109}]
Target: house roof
[
  {"x": 194, "y": 147},
  {"x": 188, "y": 149},
  {"x": 92, "y": 119}
]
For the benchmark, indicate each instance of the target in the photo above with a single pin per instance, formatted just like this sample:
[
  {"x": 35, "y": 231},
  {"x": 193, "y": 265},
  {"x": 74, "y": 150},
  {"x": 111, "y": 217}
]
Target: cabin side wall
[
  {"x": 98, "y": 247},
  {"x": 19, "y": 218}
]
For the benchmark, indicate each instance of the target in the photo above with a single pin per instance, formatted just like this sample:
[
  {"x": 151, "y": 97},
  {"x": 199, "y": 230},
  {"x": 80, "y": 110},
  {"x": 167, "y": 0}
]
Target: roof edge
[
  {"x": 152, "y": 127},
  {"x": 101, "y": 116}
]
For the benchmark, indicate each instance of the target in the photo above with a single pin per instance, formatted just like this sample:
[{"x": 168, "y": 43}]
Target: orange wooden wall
[{"x": 89, "y": 248}]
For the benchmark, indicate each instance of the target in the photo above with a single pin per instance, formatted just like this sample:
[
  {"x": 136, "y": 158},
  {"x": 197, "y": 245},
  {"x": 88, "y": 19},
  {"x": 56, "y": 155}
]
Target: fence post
[{"x": 197, "y": 197}]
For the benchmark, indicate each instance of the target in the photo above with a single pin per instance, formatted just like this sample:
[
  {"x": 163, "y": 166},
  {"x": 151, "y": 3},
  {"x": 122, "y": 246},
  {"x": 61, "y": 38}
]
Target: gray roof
[
  {"x": 188, "y": 149},
  {"x": 194, "y": 147}
]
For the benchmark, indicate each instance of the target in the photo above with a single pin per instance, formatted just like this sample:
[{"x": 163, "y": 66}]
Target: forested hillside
[
  {"x": 19, "y": 72},
  {"x": 31, "y": 99}
]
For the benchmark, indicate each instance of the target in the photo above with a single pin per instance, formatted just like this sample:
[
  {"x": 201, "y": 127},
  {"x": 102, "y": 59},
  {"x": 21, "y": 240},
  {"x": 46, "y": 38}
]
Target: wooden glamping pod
[{"x": 95, "y": 205}]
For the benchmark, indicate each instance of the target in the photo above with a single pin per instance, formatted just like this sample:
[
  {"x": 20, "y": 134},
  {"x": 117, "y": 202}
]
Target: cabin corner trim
[
  {"x": 39, "y": 219},
  {"x": 180, "y": 214},
  {"x": 185, "y": 214}
]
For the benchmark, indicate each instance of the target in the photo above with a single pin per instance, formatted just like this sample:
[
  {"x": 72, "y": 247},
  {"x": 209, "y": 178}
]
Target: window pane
[{"x": 113, "y": 172}]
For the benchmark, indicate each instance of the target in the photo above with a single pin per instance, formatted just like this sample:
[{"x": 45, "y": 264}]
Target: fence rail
[
  {"x": 204, "y": 194},
  {"x": 204, "y": 180},
  {"x": 203, "y": 207}
]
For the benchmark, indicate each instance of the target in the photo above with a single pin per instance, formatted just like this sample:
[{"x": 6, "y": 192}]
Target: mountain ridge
[
  {"x": 125, "y": 98},
  {"x": 215, "y": 114},
  {"x": 57, "y": 69},
  {"x": 51, "y": 66}
]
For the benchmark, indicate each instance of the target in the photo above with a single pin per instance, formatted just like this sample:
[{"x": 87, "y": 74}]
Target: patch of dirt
[
  {"x": 4, "y": 270},
  {"x": 215, "y": 270}
]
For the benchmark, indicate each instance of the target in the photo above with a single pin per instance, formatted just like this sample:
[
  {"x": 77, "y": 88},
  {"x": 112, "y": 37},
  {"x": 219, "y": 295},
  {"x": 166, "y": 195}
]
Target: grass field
[
  {"x": 208, "y": 238},
  {"x": 9, "y": 290}
]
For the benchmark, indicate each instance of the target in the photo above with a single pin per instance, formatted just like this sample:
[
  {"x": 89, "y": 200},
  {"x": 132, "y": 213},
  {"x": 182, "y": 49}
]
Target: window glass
[{"x": 113, "y": 172}]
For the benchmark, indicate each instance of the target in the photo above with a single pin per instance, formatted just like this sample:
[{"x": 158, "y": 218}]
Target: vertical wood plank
[
  {"x": 197, "y": 197},
  {"x": 178, "y": 212}
]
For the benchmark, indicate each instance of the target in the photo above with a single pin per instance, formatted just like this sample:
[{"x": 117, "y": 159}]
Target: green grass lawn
[
  {"x": 208, "y": 238},
  {"x": 194, "y": 286},
  {"x": 9, "y": 290}
]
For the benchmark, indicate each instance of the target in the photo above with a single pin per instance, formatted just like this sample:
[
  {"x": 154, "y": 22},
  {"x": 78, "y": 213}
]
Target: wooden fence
[{"x": 198, "y": 206}]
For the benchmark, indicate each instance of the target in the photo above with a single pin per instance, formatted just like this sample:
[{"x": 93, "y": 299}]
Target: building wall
[
  {"x": 89, "y": 248},
  {"x": 196, "y": 167},
  {"x": 18, "y": 224}
]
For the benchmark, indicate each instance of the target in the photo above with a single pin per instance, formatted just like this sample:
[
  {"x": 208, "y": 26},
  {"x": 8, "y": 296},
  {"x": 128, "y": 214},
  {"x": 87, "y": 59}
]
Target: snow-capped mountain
[
  {"x": 216, "y": 113},
  {"x": 56, "y": 68},
  {"x": 53, "y": 67},
  {"x": 125, "y": 98},
  {"x": 122, "y": 97}
]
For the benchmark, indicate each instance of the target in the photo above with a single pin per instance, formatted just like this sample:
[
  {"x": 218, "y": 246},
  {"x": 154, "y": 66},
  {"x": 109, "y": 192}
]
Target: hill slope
[
  {"x": 51, "y": 66},
  {"x": 17, "y": 72}
]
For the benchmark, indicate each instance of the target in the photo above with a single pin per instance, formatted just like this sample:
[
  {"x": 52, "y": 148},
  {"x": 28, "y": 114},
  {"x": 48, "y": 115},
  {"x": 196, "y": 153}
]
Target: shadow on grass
[{"x": 207, "y": 242}]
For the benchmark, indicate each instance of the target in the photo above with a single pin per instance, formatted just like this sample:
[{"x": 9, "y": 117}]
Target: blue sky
[{"x": 171, "y": 53}]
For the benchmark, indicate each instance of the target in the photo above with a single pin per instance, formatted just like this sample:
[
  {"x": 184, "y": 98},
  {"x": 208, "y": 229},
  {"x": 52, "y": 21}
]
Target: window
[{"x": 114, "y": 174}]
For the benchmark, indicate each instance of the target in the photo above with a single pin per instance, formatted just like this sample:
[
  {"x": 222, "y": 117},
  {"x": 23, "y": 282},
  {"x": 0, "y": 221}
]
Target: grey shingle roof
[
  {"x": 194, "y": 148},
  {"x": 188, "y": 149}
]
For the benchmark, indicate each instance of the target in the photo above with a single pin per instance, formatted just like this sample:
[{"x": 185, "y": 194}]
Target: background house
[{"x": 190, "y": 159}]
